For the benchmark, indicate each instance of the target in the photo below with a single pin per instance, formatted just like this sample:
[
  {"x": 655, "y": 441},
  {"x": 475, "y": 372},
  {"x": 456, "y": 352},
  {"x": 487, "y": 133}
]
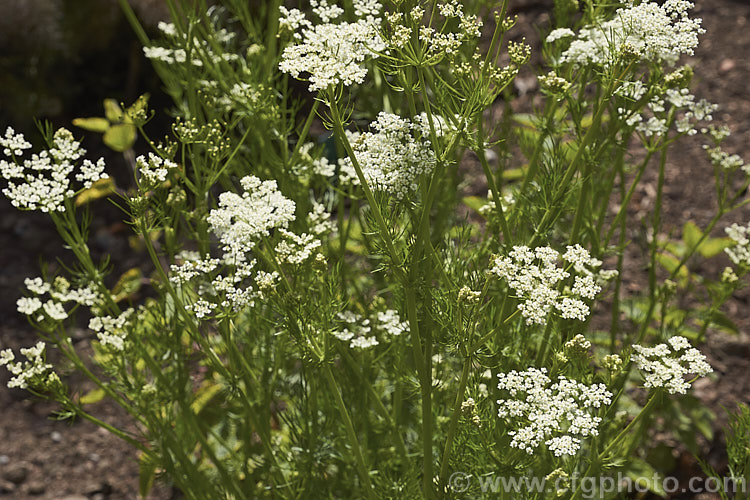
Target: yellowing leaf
[
  {"x": 128, "y": 284},
  {"x": 93, "y": 124},
  {"x": 474, "y": 202},
  {"x": 100, "y": 189},
  {"x": 514, "y": 174},
  {"x": 113, "y": 111},
  {"x": 714, "y": 246},
  {"x": 120, "y": 137},
  {"x": 691, "y": 234},
  {"x": 670, "y": 263},
  {"x": 93, "y": 396}
]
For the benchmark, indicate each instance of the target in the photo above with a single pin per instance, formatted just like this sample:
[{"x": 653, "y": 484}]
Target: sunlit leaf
[
  {"x": 113, "y": 111},
  {"x": 714, "y": 246},
  {"x": 93, "y": 396},
  {"x": 691, "y": 234},
  {"x": 120, "y": 137},
  {"x": 128, "y": 284},
  {"x": 100, "y": 189},
  {"x": 93, "y": 124},
  {"x": 474, "y": 202}
]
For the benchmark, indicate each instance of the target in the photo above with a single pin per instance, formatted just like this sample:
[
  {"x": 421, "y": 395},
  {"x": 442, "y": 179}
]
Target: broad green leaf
[
  {"x": 526, "y": 119},
  {"x": 120, "y": 137},
  {"x": 128, "y": 284},
  {"x": 703, "y": 422},
  {"x": 113, "y": 111},
  {"x": 691, "y": 234},
  {"x": 474, "y": 202},
  {"x": 93, "y": 396},
  {"x": 101, "y": 356},
  {"x": 690, "y": 334},
  {"x": 675, "y": 317},
  {"x": 100, "y": 189},
  {"x": 642, "y": 471},
  {"x": 720, "y": 321},
  {"x": 93, "y": 124},
  {"x": 714, "y": 246},
  {"x": 528, "y": 134},
  {"x": 514, "y": 174},
  {"x": 635, "y": 309},
  {"x": 661, "y": 456},
  {"x": 674, "y": 247},
  {"x": 670, "y": 263}
]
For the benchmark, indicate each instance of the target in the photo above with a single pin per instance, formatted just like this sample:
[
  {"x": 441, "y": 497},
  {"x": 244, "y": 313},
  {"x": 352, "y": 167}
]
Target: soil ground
[{"x": 42, "y": 458}]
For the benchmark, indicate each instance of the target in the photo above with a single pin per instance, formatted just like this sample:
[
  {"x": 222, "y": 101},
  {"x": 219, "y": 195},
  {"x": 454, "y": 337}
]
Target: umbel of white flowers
[
  {"x": 557, "y": 414},
  {"x": 648, "y": 31}
]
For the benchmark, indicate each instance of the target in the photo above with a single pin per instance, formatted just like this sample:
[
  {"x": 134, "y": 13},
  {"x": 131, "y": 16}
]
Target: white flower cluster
[
  {"x": 535, "y": 276},
  {"x": 649, "y": 31},
  {"x": 179, "y": 54},
  {"x": 667, "y": 365},
  {"x": 319, "y": 220},
  {"x": 740, "y": 252},
  {"x": 558, "y": 414},
  {"x": 437, "y": 44},
  {"x": 358, "y": 330},
  {"x": 241, "y": 97},
  {"x": 42, "y": 182},
  {"x": 489, "y": 208},
  {"x": 390, "y": 322},
  {"x": 296, "y": 248},
  {"x": 192, "y": 267},
  {"x": 678, "y": 100},
  {"x": 230, "y": 291},
  {"x": 27, "y": 373},
  {"x": 154, "y": 169},
  {"x": 559, "y": 34},
  {"x": 13, "y": 144},
  {"x": 111, "y": 331},
  {"x": 395, "y": 155},
  {"x": 725, "y": 161},
  {"x": 331, "y": 53},
  {"x": 240, "y": 221},
  {"x": 60, "y": 293}
]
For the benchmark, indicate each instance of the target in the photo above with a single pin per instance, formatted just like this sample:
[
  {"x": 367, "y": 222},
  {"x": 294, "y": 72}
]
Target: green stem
[
  {"x": 113, "y": 430},
  {"x": 127, "y": 10},
  {"x": 351, "y": 434},
  {"x": 305, "y": 130},
  {"x": 379, "y": 406},
  {"x": 550, "y": 215},
  {"x": 542, "y": 356},
  {"x": 614, "y": 442},
  {"x": 630, "y": 425},
  {"x": 691, "y": 251},
  {"x": 615, "y": 321},
  {"x": 626, "y": 200},
  {"x": 507, "y": 239},
  {"x": 549, "y": 112},
  {"x": 338, "y": 128},
  {"x": 453, "y": 426},
  {"x": 654, "y": 246}
]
